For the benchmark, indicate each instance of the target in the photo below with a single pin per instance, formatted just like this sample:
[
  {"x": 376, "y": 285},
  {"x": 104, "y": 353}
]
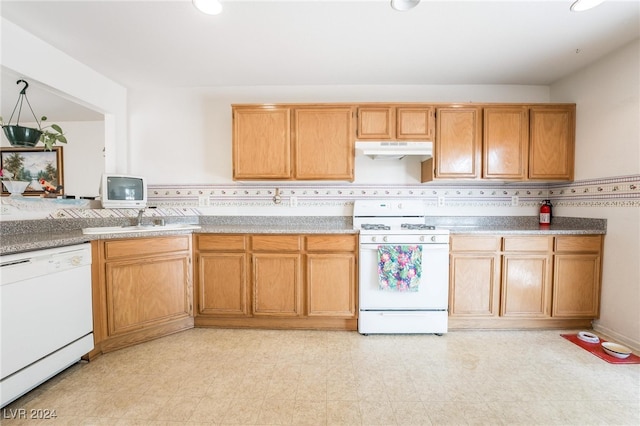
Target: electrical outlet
[
  {"x": 441, "y": 201},
  {"x": 515, "y": 201},
  {"x": 203, "y": 201},
  {"x": 293, "y": 201},
  {"x": 4, "y": 209}
]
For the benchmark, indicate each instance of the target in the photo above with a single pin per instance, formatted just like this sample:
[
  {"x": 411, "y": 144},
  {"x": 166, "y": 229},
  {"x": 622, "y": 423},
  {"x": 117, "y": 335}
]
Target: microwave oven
[{"x": 121, "y": 191}]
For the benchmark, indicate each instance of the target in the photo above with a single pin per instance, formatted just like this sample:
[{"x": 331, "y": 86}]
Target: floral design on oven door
[{"x": 399, "y": 267}]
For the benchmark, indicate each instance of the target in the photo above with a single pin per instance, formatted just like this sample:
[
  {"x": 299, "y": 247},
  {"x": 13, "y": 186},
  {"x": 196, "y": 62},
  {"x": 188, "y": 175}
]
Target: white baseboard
[{"x": 617, "y": 337}]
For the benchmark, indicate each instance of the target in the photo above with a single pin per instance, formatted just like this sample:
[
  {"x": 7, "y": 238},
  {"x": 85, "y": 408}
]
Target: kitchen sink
[{"x": 139, "y": 228}]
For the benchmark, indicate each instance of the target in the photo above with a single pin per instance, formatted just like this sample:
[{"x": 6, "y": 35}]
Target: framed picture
[{"x": 43, "y": 169}]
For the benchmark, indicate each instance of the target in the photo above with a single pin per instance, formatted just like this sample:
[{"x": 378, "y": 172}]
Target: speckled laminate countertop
[{"x": 23, "y": 236}]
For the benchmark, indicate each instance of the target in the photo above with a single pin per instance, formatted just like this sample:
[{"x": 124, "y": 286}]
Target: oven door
[{"x": 433, "y": 287}]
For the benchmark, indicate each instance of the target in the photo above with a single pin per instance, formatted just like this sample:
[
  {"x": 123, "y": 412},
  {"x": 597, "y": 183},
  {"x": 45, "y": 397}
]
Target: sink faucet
[{"x": 140, "y": 213}]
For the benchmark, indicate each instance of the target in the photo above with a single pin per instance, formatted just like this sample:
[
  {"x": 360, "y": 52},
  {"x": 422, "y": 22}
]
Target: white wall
[
  {"x": 83, "y": 157},
  {"x": 35, "y": 60},
  {"x": 183, "y": 136},
  {"x": 607, "y": 94}
]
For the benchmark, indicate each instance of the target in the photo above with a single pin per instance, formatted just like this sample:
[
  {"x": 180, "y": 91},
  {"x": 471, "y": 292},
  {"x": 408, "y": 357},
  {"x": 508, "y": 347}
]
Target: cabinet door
[
  {"x": 526, "y": 282},
  {"x": 261, "y": 143},
  {"x": 474, "y": 271},
  {"x": 552, "y": 139},
  {"x": 576, "y": 286},
  {"x": 324, "y": 143},
  {"x": 146, "y": 292},
  {"x": 576, "y": 277},
  {"x": 457, "y": 146},
  {"x": 276, "y": 284},
  {"x": 415, "y": 123},
  {"x": 331, "y": 284},
  {"x": 475, "y": 284},
  {"x": 376, "y": 123},
  {"x": 505, "y": 143},
  {"x": 222, "y": 284}
]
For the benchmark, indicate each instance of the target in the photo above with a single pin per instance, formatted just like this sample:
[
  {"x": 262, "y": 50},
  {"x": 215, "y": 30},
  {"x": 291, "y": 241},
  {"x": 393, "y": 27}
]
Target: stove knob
[
  {"x": 373, "y": 239},
  {"x": 384, "y": 239},
  {"x": 421, "y": 239},
  {"x": 433, "y": 238}
]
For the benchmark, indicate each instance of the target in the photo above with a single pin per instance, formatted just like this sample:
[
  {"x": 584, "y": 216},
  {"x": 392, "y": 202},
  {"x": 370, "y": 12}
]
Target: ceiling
[{"x": 169, "y": 44}]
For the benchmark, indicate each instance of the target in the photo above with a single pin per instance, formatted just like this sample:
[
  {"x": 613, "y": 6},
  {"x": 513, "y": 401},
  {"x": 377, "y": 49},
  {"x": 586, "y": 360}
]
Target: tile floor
[{"x": 266, "y": 377}]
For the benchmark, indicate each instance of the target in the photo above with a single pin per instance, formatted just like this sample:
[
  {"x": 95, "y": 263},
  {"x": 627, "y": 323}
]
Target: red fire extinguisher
[{"x": 545, "y": 212}]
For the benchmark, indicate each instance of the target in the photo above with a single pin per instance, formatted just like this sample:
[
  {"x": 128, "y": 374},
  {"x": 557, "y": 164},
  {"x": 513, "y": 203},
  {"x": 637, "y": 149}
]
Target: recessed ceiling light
[
  {"x": 581, "y": 5},
  {"x": 403, "y": 5},
  {"x": 210, "y": 7}
]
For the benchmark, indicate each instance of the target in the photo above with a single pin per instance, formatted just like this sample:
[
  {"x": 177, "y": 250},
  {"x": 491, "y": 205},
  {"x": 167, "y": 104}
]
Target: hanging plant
[{"x": 28, "y": 136}]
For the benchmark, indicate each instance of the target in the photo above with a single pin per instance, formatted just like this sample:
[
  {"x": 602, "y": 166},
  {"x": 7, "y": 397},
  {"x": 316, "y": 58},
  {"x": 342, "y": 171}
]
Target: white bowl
[
  {"x": 585, "y": 336},
  {"x": 616, "y": 350},
  {"x": 15, "y": 187}
]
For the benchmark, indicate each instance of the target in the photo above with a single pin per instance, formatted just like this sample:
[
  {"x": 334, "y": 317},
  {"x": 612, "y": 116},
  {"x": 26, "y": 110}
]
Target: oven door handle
[
  {"x": 408, "y": 314},
  {"x": 425, "y": 247}
]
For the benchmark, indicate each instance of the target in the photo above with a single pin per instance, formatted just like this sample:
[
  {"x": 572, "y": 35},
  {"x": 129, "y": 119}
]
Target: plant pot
[{"x": 22, "y": 136}]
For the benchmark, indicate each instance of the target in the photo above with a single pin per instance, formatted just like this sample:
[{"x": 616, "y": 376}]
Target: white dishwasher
[{"x": 46, "y": 321}]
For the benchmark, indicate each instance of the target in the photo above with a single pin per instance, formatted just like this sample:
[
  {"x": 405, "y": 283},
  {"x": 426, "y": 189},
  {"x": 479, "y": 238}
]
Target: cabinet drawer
[
  {"x": 275, "y": 243},
  {"x": 590, "y": 243},
  {"x": 474, "y": 243},
  {"x": 331, "y": 243},
  {"x": 137, "y": 247},
  {"x": 221, "y": 242},
  {"x": 528, "y": 243}
]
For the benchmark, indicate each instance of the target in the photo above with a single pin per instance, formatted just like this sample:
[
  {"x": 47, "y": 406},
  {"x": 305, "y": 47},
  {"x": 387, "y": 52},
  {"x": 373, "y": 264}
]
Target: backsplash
[{"x": 296, "y": 199}]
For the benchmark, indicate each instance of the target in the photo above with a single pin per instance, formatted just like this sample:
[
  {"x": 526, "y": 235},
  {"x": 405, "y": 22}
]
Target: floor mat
[{"x": 597, "y": 350}]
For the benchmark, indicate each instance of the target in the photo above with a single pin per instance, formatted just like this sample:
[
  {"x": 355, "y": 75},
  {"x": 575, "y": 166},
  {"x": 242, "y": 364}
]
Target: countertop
[{"x": 24, "y": 236}]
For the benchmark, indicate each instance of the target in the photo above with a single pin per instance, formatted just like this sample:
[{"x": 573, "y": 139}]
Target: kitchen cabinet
[
  {"x": 407, "y": 122},
  {"x": 576, "y": 280},
  {"x": 142, "y": 290},
  {"x": 552, "y": 140},
  {"x": 323, "y": 143},
  {"x": 474, "y": 270},
  {"x": 262, "y": 143},
  {"x": 292, "y": 281},
  {"x": 276, "y": 275},
  {"x": 505, "y": 143},
  {"x": 290, "y": 142},
  {"x": 331, "y": 275},
  {"x": 526, "y": 276},
  {"x": 538, "y": 281},
  {"x": 457, "y": 150},
  {"x": 221, "y": 275}
]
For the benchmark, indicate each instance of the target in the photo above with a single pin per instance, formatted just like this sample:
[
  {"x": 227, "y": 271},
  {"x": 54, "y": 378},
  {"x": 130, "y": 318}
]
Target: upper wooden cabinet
[
  {"x": 396, "y": 123},
  {"x": 323, "y": 143},
  {"x": 505, "y": 143},
  {"x": 508, "y": 142},
  {"x": 293, "y": 143},
  {"x": 262, "y": 143},
  {"x": 458, "y": 142},
  {"x": 552, "y": 140}
]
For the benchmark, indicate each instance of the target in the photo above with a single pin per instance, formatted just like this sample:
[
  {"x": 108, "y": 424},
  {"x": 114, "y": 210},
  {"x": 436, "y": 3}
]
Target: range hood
[{"x": 394, "y": 149}]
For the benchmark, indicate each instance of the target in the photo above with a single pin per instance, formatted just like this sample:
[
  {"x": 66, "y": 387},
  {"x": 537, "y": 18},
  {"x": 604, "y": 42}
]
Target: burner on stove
[
  {"x": 375, "y": 227},
  {"x": 416, "y": 226}
]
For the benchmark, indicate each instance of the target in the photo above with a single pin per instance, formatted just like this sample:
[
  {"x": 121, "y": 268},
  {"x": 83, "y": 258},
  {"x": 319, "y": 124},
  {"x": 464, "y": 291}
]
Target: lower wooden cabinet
[
  {"x": 276, "y": 281},
  {"x": 526, "y": 276},
  {"x": 475, "y": 276},
  {"x": 142, "y": 289},
  {"x": 576, "y": 283},
  {"x": 537, "y": 281}
]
